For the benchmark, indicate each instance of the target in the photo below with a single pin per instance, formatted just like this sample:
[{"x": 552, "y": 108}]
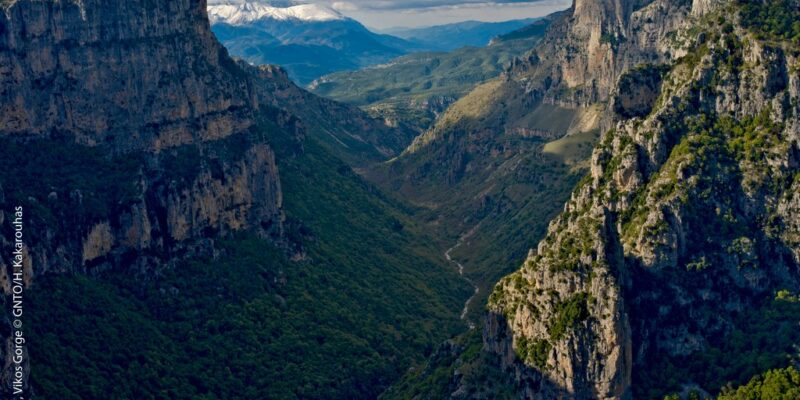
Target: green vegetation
[
  {"x": 569, "y": 253},
  {"x": 716, "y": 154},
  {"x": 413, "y": 89},
  {"x": 56, "y": 178},
  {"x": 505, "y": 203},
  {"x": 706, "y": 187},
  {"x": 750, "y": 136},
  {"x": 422, "y": 75},
  {"x": 778, "y": 384},
  {"x": 715, "y": 162},
  {"x": 478, "y": 176},
  {"x": 533, "y": 352},
  {"x": 612, "y": 39},
  {"x": 371, "y": 297},
  {"x": 761, "y": 339},
  {"x": 786, "y": 295},
  {"x": 461, "y": 360},
  {"x": 569, "y": 314},
  {"x": 772, "y": 19}
]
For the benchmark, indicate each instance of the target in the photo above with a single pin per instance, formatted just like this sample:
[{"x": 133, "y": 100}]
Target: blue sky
[{"x": 382, "y": 14}]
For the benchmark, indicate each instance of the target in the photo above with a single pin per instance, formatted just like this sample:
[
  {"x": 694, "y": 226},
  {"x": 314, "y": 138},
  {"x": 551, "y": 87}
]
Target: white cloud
[
  {"x": 344, "y": 6},
  {"x": 412, "y": 13}
]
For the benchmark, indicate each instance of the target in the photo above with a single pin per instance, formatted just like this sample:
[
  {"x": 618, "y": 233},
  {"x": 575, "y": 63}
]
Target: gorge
[{"x": 612, "y": 214}]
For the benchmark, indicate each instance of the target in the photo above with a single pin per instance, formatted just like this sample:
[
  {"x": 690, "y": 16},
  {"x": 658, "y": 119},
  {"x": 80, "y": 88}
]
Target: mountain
[
  {"x": 187, "y": 220},
  {"x": 414, "y": 90},
  {"x": 309, "y": 40},
  {"x": 244, "y": 13},
  {"x": 672, "y": 270},
  {"x": 453, "y": 36},
  {"x": 345, "y": 131},
  {"x": 674, "y": 250},
  {"x": 497, "y": 163},
  {"x": 615, "y": 216}
]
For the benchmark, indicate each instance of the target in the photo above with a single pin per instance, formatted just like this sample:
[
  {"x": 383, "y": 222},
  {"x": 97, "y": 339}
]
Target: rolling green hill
[{"x": 416, "y": 88}]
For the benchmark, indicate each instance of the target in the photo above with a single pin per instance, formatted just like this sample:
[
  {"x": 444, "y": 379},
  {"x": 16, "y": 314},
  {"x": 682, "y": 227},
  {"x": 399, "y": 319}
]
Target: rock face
[
  {"x": 149, "y": 83},
  {"x": 688, "y": 216},
  {"x": 156, "y": 81},
  {"x": 575, "y": 67},
  {"x": 592, "y": 44},
  {"x": 144, "y": 82},
  {"x": 133, "y": 141},
  {"x": 142, "y": 140}
]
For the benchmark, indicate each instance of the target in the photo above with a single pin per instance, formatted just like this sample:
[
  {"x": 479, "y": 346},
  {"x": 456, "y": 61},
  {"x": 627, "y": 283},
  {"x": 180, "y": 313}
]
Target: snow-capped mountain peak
[{"x": 242, "y": 13}]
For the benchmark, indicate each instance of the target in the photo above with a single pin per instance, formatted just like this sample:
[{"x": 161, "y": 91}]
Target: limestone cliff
[
  {"x": 512, "y": 146},
  {"x": 592, "y": 44},
  {"x": 147, "y": 86},
  {"x": 575, "y": 67},
  {"x": 561, "y": 88},
  {"x": 133, "y": 141},
  {"x": 127, "y": 75},
  {"x": 130, "y": 138},
  {"x": 156, "y": 81},
  {"x": 687, "y": 218}
]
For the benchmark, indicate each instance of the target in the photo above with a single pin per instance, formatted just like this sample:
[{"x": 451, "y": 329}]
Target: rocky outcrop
[
  {"x": 166, "y": 217},
  {"x": 555, "y": 324},
  {"x": 131, "y": 139},
  {"x": 145, "y": 86},
  {"x": 637, "y": 91},
  {"x": 688, "y": 217},
  {"x": 575, "y": 67},
  {"x": 593, "y": 44},
  {"x": 157, "y": 80}
]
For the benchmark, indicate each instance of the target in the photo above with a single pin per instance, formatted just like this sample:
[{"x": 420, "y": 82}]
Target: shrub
[{"x": 568, "y": 315}]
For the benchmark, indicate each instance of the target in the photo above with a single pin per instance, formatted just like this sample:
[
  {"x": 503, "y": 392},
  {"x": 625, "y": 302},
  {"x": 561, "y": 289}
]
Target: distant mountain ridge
[
  {"x": 249, "y": 12},
  {"x": 314, "y": 40},
  {"x": 309, "y": 40},
  {"x": 415, "y": 89},
  {"x": 452, "y": 36}
]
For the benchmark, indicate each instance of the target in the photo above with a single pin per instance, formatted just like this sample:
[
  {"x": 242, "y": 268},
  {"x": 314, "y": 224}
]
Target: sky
[{"x": 383, "y": 14}]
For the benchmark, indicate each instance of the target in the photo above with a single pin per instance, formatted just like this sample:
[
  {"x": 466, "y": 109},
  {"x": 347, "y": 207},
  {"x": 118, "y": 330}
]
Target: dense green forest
[
  {"x": 779, "y": 384},
  {"x": 774, "y": 19},
  {"x": 372, "y": 296},
  {"x": 761, "y": 339}
]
